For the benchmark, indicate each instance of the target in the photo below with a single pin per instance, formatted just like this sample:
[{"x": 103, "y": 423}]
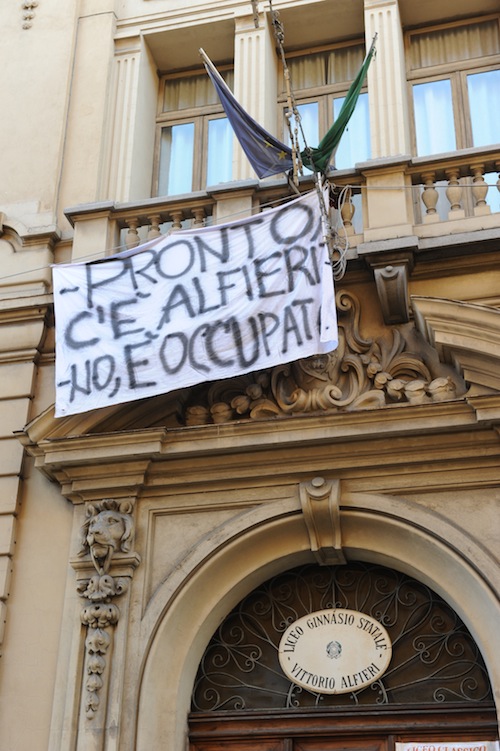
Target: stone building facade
[{"x": 153, "y": 553}]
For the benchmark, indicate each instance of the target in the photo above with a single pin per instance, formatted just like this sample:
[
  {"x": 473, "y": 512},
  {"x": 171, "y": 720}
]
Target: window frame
[
  {"x": 456, "y": 72},
  {"x": 199, "y": 115},
  {"x": 324, "y": 95}
]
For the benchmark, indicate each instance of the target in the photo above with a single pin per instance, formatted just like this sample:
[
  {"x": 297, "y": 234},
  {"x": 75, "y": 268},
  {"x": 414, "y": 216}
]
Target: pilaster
[
  {"x": 255, "y": 79},
  {"x": 91, "y": 671},
  {"x": 22, "y": 326},
  {"x": 387, "y": 80},
  {"x": 127, "y": 163}
]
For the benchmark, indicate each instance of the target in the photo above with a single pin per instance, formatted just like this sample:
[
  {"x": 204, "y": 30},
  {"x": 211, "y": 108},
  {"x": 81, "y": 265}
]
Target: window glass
[
  {"x": 220, "y": 151},
  {"x": 484, "y": 102},
  {"x": 176, "y": 159},
  {"x": 434, "y": 124},
  {"x": 309, "y": 120},
  {"x": 195, "y": 139},
  {"x": 354, "y": 145},
  {"x": 493, "y": 196},
  {"x": 462, "y": 109},
  {"x": 320, "y": 81}
]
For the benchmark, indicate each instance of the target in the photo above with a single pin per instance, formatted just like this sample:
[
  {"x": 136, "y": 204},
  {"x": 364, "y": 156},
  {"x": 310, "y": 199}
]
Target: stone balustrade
[
  {"x": 464, "y": 185},
  {"x": 144, "y": 222},
  {"x": 126, "y": 225},
  {"x": 460, "y": 186}
]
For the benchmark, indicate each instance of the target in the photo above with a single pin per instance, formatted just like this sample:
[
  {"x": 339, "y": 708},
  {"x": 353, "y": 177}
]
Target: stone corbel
[
  {"x": 320, "y": 501},
  {"x": 391, "y": 272}
]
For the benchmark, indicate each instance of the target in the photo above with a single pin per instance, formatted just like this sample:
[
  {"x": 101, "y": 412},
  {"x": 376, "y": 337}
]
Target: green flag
[{"x": 319, "y": 158}]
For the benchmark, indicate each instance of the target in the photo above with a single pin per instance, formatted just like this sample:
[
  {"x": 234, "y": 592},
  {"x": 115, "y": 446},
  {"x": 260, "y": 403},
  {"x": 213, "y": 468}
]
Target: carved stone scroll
[
  {"x": 320, "y": 505},
  {"x": 400, "y": 367}
]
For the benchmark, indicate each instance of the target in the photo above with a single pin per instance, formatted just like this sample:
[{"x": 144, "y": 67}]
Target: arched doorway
[{"x": 435, "y": 688}]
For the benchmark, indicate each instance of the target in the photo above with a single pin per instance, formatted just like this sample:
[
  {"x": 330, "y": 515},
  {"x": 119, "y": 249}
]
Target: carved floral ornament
[
  {"x": 108, "y": 530},
  {"x": 28, "y": 7},
  {"x": 360, "y": 374}
]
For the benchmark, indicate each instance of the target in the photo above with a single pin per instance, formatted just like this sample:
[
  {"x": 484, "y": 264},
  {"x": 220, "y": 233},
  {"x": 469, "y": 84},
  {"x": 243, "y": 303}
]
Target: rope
[
  {"x": 292, "y": 112},
  {"x": 337, "y": 250},
  {"x": 255, "y": 10}
]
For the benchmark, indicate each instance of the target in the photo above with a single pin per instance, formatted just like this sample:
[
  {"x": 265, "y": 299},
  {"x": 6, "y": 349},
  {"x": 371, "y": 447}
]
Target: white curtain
[
  {"x": 434, "y": 124},
  {"x": 220, "y": 151},
  {"x": 484, "y": 102},
  {"x": 455, "y": 43},
  {"x": 176, "y": 159},
  {"x": 322, "y": 68},
  {"x": 309, "y": 118},
  {"x": 344, "y": 64},
  {"x": 192, "y": 91},
  {"x": 354, "y": 145}
]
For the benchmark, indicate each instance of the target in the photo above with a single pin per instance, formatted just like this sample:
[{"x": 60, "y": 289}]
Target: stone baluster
[
  {"x": 199, "y": 217},
  {"x": 132, "y": 238},
  {"x": 154, "y": 226},
  {"x": 430, "y": 197},
  {"x": 497, "y": 167},
  {"x": 176, "y": 219},
  {"x": 347, "y": 210},
  {"x": 479, "y": 190},
  {"x": 454, "y": 194}
]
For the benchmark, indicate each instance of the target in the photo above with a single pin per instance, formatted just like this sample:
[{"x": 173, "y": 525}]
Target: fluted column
[
  {"x": 255, "y": 79},
  {"x": 387, "y": 80},
  {"x": 127, "y": 162}
]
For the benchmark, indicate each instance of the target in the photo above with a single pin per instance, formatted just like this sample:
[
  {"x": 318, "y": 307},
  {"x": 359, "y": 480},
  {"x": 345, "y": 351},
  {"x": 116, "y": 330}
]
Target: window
[
  {"x": 320, "y": 80},
  {"x": 195, "y": 141},
  {"x": 454, "y": 75}
]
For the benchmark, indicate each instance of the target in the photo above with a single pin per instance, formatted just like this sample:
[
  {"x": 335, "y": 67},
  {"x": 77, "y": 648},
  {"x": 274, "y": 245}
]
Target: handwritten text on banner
[{"x": 194, "y": 306}]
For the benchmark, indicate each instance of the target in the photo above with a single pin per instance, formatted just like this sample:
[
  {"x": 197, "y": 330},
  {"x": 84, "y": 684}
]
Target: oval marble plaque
[{"x": 335, "y": 651}]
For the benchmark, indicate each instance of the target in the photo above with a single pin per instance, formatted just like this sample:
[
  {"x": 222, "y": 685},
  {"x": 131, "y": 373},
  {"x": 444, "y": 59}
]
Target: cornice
[
  {"x": 18, "y": 310},
  {"x": 452, "y": 436},
  {"x": 437, "y": 438}
]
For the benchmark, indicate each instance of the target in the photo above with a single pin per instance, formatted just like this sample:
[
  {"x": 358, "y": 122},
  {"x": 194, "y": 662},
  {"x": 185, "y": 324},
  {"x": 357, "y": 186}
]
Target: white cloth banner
[
  {"x": 440, "y": 745},
  {"x": 194, "y": 306}
]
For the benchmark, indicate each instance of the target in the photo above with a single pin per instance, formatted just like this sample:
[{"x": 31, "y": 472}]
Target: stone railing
[
  {"x": 369, "y": 204},
  {"x": 125, "y": 225},
  {"x": 452, "y": 187},
  {"x": 145, "y": 221}
]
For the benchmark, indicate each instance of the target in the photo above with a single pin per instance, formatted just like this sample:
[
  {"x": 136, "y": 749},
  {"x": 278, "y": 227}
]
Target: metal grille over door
[{"x": 435, "y": 659}]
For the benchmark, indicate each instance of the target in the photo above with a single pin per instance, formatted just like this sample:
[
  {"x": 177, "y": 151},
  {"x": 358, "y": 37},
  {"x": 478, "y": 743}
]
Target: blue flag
[{"x": 267, "y": 155}]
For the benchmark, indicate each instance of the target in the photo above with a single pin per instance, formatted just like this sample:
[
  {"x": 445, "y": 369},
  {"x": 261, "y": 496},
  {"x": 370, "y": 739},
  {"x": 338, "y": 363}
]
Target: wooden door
[
  {"x": 436, "y": 686},
  {"x": 331, "y": 731}
]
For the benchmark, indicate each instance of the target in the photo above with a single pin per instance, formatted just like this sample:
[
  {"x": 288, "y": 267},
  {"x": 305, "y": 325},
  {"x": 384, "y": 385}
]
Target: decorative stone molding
[
  {"x": 28, "y": 13},
  {"x": 106, "y": 535},
  {"x": 360, "y": 374},
  {"x": 465, "y": 333},
  {"x": 320, "y": 504}
]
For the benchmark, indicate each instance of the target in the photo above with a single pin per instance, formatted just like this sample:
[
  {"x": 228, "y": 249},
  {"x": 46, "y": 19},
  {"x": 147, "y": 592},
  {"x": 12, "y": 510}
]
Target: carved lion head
[{"x": 108, "y": 528}]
